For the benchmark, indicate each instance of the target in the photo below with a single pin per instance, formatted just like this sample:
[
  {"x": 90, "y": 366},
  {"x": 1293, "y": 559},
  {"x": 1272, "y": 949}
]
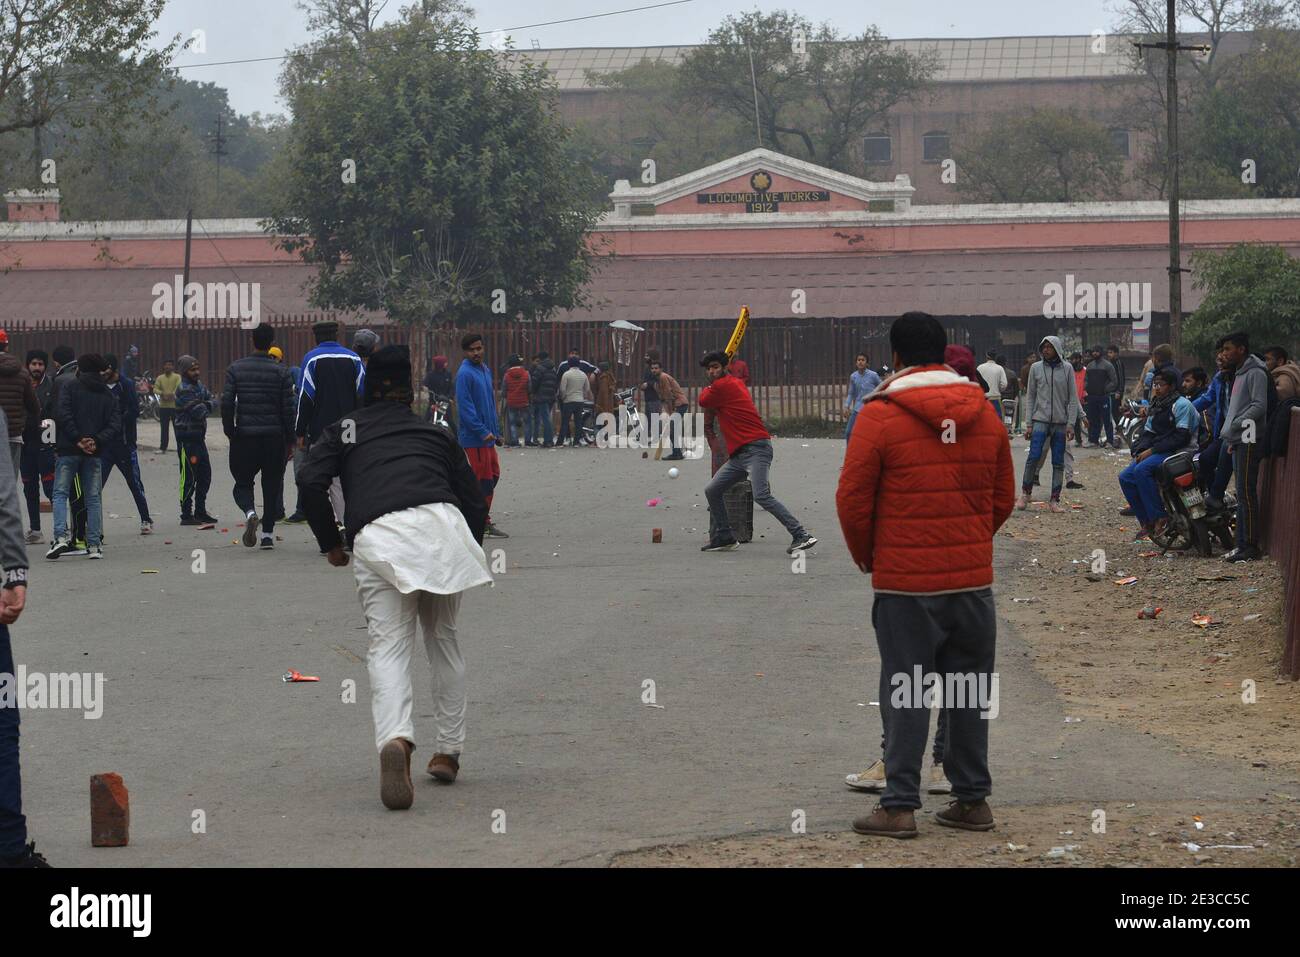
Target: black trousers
[
  {"x": 952, "y": 637},
  {"x": 165, "y": 417},
  {"x": 249, "y": 455}
]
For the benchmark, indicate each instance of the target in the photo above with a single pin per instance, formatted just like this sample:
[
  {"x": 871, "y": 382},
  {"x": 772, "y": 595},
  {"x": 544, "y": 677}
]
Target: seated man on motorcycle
[{"x": 1170, "y": 428}]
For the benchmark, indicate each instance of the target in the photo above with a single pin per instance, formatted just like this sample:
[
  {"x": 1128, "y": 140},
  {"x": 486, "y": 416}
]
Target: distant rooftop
[{"x": 985, "y": 58}]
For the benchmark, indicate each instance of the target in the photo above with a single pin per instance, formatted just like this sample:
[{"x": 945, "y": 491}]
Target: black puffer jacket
[
  {"x": 396, "y": 462},
  {"x": 544, "y": 383},
  {"x": 258, "y": 398},
  {"x": 86, "y": 408}
]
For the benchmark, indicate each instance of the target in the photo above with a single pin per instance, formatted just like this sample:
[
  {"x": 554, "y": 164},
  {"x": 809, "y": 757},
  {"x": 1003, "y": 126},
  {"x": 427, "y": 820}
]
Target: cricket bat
[{"x": 738, "y": 334}]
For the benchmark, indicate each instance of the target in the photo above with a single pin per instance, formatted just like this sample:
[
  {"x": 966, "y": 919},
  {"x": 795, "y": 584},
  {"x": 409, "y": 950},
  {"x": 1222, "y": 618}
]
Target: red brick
[
  {"x": 657, "y": 535},
  {"x": 110, "y": 811}
]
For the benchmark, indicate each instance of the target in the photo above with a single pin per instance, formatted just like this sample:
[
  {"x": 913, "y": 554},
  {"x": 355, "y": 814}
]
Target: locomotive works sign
[{"x": 762, "y": 200}]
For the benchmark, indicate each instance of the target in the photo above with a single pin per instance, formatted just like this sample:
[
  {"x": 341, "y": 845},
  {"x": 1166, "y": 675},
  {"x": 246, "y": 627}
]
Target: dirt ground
[{"x": 1185, "y": 684}]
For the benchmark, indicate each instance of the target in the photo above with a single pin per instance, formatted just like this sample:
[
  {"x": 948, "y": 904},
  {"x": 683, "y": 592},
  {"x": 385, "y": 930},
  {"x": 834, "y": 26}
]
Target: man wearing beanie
[
  {"x": 364, "y": 344},
  {"x": 194, "y": 403},
  {"x": 87, "y": 421},
  {"x": 415, "y": 521},
  {"x": 257, "y": 417},
  {"x": 332, "y": 376}
]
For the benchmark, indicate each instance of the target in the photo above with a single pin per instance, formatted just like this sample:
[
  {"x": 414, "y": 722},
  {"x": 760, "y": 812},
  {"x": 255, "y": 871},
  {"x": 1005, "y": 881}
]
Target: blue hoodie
[
  {"x": 1216, "y": 398},
  {"x": 476, "y": 404}
]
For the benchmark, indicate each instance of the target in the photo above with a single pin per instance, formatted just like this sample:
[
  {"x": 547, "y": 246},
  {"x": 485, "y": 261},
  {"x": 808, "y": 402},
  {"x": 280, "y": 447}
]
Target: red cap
[{"x": 4, "y": 337}]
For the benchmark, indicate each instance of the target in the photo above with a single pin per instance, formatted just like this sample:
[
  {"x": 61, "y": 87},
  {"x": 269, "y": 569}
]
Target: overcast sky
[{"x": 244, "y": 29}]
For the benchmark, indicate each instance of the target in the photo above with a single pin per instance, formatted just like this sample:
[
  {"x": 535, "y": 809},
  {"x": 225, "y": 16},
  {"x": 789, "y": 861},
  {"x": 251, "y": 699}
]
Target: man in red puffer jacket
[
  {"x": 514, "y": 386},
  {"x": 927, "y": 480}
]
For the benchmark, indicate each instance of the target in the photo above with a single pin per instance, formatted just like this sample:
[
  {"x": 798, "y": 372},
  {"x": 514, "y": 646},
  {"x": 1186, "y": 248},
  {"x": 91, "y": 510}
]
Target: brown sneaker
[
  {"x": 445, "y": 767},
  {"x": 395, "y": 787},
  {"x": 887, "y": 822},
  {"x": 968, "y": 817}
]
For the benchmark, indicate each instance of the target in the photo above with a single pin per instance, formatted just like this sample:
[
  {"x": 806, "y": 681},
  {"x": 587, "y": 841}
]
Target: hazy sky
[{"x": 242, "y": 29}]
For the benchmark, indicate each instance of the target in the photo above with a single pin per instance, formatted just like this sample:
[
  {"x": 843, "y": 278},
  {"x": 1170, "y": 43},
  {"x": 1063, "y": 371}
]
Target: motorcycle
[
  {"x": 1131, "y": 420},
  {"x": 1190, "y": 523},
  {"x": 148, "y": 400},
  {"x": 440, "y": 411}
]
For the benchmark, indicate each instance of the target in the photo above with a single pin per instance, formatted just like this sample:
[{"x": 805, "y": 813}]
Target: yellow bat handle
[{"x": 733, "y": 345}]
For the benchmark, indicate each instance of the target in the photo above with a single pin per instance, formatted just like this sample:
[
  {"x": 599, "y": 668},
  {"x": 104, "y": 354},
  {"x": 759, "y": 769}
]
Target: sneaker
[
  {"x": 27, "y": 858},
  {"x": 491, "y": 531},
  {"x": 203, "y": 518},
  {"x": 250, "y": 530},
  {"x": 95, "y": 551},
  {"x": 146, "y": 528},
  {"x": 801, "y": 544},
  {"x": 872, "y": 779},
  {"x": 969, "y": 817},
  {"x": 78, "y": 548},
  {"x": 1127, "y": 511},
  {"x": 267, "y": 542},
  {"x": 938, "y": 783},
  {"x": 61, "y": 546},
  {"x": 1213, "y": 504},
  {"x": 1022, "y": 501},
  {"x": 445, "y": 767},
  {"x": 34, "y": 537},
  {"x": 395, "y": 787},
  {"x": 191, "y": 520},
  {"x": 297, "y": 518},
  {"x": 1247, "y": 553},
  {"x": 1073, "y": 484},
  {"x": 1054, "y": 505},
  {"x": 721, "y": 545},
  {"x": 675, "y": 457},
  {"x": 1143, "y": 534},
  {"x": 887, "y": 822}
]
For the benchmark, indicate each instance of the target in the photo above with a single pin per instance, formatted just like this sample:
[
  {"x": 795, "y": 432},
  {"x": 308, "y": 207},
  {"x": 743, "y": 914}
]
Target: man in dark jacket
[
  {"x": 17, "y": 399},
  {"x": 87, "y": 420},
  {"x": 257, "y": 415},
  {"x": 543, "y": 387},
  {"x": 1100, "y": 381},
  {"x": 1243, "y": 437},
  {"x": 194, "y": 403},
  {"x": 332, "y": 377},
  {"x": 121, "y": 451},
  {"x": 415, "y": 523},
  {"x": 38, "y": 454},
  {"x": 65, "y": 370}
]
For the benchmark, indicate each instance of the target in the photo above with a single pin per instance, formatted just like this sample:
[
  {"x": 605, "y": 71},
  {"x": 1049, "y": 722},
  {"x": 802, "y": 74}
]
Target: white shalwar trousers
[{"x": 393, "y": 619}]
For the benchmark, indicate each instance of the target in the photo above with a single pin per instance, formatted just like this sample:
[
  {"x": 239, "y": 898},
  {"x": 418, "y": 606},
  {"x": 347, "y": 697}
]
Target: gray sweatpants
[{"x": 953, "y": 637}]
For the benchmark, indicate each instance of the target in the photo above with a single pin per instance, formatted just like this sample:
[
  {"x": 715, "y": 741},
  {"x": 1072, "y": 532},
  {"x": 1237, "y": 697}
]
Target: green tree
[
  {"x": 1045, "y": 156},
  {"x": 1251, "y": 287},
  {"x": 817, "y": 90},
  {"x": 462, "y": 192}
]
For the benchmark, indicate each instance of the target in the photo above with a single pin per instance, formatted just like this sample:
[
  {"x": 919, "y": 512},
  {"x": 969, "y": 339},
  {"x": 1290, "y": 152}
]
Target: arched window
[{"x": 934, "y": 147}]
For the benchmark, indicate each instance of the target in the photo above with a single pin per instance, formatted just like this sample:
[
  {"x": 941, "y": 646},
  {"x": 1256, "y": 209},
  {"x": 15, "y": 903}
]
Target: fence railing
[{"x": 1280, "y": 482}]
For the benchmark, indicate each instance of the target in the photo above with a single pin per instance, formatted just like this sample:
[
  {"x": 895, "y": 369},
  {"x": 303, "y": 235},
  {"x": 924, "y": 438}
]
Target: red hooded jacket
[{"x": 927, "y": 480}]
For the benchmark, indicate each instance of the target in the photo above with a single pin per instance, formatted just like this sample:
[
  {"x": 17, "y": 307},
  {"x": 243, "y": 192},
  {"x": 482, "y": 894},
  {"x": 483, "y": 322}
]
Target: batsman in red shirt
[{"x": 749, "y": 447}]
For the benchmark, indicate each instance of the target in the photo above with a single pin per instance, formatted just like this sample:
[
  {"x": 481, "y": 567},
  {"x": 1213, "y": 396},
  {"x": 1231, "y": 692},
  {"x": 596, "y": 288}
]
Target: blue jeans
[
  {"x": 1037, "y": 442},
  {"x": 85, "y": 467},
  {"x": 542, "y": 422},
  {"x": 751, "y": 461},
  {"x": 848, "y": 428},
  {"x": 1139, "y": 484},
  {"x": 519, "y": 425},
  {"x": 13, "y": 826}
]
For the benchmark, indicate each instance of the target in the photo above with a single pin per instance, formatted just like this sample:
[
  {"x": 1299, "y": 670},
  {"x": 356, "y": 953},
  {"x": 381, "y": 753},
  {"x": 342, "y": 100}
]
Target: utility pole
[
  {"x": 218, "y": 147},
  {"x": 1176, "y": 270},
  {"x": 185, "y": 280}
]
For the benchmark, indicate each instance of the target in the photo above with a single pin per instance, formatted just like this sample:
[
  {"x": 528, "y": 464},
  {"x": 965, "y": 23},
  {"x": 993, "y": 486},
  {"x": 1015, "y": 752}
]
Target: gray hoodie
[
  {"x": 1052, "y": 395},
  {"x": 1249, "y": 402},
  {"x": 13, "y": 550}
]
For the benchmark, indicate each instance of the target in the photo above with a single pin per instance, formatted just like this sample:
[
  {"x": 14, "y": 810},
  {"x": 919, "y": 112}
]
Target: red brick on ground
[{"x": 110, "y": 811}]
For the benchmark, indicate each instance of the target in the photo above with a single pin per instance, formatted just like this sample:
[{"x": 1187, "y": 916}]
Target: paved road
[{"x": 762, "y": 673}]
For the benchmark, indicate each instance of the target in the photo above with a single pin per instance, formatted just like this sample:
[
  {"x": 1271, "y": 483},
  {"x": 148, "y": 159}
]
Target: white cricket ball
[{"x": 673, "y": 472}]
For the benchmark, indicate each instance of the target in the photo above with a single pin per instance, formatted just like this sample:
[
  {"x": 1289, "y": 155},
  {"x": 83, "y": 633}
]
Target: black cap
[{"x": 388, "y": 374}]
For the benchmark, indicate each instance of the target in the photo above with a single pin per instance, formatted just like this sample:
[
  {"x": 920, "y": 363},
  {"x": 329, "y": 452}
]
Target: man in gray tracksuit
[
  {"x": 1052, "y": 407},
  {"x": 1243, "y": 434}
]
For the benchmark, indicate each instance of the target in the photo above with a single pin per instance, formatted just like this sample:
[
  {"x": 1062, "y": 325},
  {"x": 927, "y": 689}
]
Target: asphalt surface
[{"x": 765, "y": 676}]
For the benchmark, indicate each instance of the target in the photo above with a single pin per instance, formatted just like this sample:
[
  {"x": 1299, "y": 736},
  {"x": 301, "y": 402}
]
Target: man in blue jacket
[
  {"x": 478, "y": 430},
  {"x": 121, "y": 451},
  {"x": 1170, "y": 428},
  {"x": 332, "y": 379},
  {"x": 1215, "y": 463}
]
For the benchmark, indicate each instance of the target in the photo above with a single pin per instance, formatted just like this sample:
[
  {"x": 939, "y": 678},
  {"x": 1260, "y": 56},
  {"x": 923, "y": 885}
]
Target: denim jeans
[
  {"x": 848, "y": 426},
  {"x": 542, "y": 425},
  {"x": 1042, "y": 434},
  {"x": 519, "y": 425},
  {"x": 13, "y": 826},
  {"x": 753, "y": 461},
  {"x": 86, "y": 468},
  {"x": 1138, "y": 481}
]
